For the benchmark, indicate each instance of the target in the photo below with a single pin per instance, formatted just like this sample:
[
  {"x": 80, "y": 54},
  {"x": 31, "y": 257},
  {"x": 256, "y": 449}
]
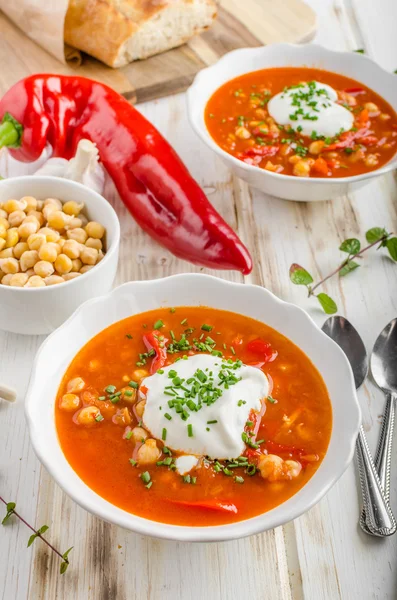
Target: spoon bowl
[{"x": 384, "y": 358}]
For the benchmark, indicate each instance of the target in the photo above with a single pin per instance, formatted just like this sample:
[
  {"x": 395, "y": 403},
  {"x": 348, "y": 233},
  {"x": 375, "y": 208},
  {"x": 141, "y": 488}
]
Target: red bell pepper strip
[
  {"x": 151, "y": 179},
  {"x": 262, "y": 151},
  {"x": 262, "y": 349},
  {"x": 209, "y": 505},
  {"x": 152, "y": 342},
  {"x": 354, "y": 91}
]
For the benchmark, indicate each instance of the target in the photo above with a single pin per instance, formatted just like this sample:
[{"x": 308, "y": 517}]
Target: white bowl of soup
[
  {"x": 59, "y": 245},
  {"x": 300, "y": 122},
  {"x": 191, "y": 408}
]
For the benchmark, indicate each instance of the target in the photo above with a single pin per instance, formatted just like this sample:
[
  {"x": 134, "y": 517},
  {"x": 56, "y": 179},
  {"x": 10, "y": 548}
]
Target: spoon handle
[
  {"x": 379, "y": 519},
  {"x": 384, "y": 451}
]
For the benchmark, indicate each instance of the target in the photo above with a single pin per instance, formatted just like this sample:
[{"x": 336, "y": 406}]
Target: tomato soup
[
  {"x": 303, "y": 122},
  {"x": 145, "y": 405}
]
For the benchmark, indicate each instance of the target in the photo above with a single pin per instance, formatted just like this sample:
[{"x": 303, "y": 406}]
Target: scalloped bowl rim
[
  {"x": 285, "y": 512},
  {"x": 205, "y": 136}
]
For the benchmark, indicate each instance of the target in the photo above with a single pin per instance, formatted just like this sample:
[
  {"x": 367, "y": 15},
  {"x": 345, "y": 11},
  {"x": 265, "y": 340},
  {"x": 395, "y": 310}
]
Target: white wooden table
[{"x": 322, "y": 555}]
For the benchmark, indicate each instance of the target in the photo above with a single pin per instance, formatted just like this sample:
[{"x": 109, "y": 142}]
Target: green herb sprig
[
  {"x": 37, "y": 533},
  {"x": 377, "y": 236}
]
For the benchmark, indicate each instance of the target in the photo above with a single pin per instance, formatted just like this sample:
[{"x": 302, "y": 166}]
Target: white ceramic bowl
[
  {"x": 58, "y": 350},
  {"x": 238, "y": 62},
  {"x": 36, "y": 311}
]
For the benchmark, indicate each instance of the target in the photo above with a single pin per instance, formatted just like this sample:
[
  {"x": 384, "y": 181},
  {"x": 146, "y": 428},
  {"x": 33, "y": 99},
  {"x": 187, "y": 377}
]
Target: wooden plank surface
[
  {"x": 239, "y": 24},
  {"x": 320, "y": 556}
]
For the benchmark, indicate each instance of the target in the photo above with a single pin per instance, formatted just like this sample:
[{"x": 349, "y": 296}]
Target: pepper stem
[{"x": 10, "y": 132}]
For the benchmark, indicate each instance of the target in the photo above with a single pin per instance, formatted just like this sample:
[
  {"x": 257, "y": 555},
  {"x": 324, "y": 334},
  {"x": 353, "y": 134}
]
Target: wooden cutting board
[{"x": 240, "y": 23}]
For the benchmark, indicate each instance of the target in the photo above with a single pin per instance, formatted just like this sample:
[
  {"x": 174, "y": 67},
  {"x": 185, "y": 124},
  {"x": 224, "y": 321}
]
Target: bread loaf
[{"x": 120, "y": 31}]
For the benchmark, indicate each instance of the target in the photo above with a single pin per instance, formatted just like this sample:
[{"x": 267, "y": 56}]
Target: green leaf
[
  {"x": 299, "y": 276},
  {"x": 65, "y": 555},
  {"x": 10, "y": 510},
  {"x": 32, "y": 539},
  {"x": 348, "y": 268},
  {"x": 10, "y": 506},
  {"x": 42, "y": 529},
  {"x": 63, "y": 567},
  {"x": 328, "y": 305},
  {"x": 351, "y": 246},
  {"x": 375, "y": 234},
  {"x": 392, "y": 247}
]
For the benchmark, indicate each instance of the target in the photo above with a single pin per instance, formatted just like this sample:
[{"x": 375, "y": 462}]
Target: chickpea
[
  {"x": 93, "y": 243},
  {"x": 77, "y": 384},
  {"x": 35, "y": 281},
  {"x": 242, "y": 133},
  {"x": 30, "y": 272},
  {"x": 294, "y": 159},
  {"x": 372, "y": 108},
  {"x": 95, "y": 230},
  {"x": 72, "y": 249},
  {"x": 63, "y": 264},
  {"x": 9, "y": 265},
  {"x": 12, "y": 237},
  {"x": 60, "y": 244},
  {"x": 4, "y": 222},
  {"x": 12, "y": 205},
  {"x": 28, "y": 259},
  {"x": 48, "y": 252},
  {"x": 53, "y": 280},
  {"x": 2, "y": 244},
  {"x": 384, "y": 117},
  {"x": 77, "y": 234},
  {"x": 371, "y": 160},
  {"x": 71, "y": 275},
  {"x": 69, "y": 402},
  {"x": 31, "y": 202},
  {"x": 356, "y": 156},
  {"x": 101, "y": 254},
  {"x": 35, "y": 241},
  {"x": 15, "y": 218},
  {"x": 86, "y": 268},
  {"x": 316, "y": 147},
  {"x": 76, "y": 265},
  {"x": 28, "y": 228},
  {"x": 139, "y": 434},
  {"x": 139, "y": 375},
  {"x": 50, "y": 234},
  {"x": 89, "y": 256},
  {"x": 74, "y": 223},
  {"x": 43, "y": 268},
  {"x": 7, "y": 253},
  {"x": 140, "y": 407},
  {"x": 122, "y": 417},
  {"x": 301, "y": 169},
  {"x": 72, "y": 208},
  {"x": 88, "y": 415},
  {"x": 19, "y": 249},
  {"x": 47, "y": 210},
  {"x": 148, "y": 453},
  {"x": 271, "y": 467},
  {"x": 261, "y": 113},
  {"x": 3, "y": 214},
  {"x": 5, "y": 280},
  {"x": 54, "y": 201},
  {"x": 292, "y": 468},
  {"x": 18, "y": 280},
  {"x": 58, "y": 220},
  {"x": 3, "y": 231},
  {"x": 39, "y": 216}
]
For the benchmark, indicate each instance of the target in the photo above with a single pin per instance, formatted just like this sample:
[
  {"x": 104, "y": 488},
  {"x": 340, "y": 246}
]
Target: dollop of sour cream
[
  {"x": 313, "y": 108},
  {"x": 215, "y": 429}
]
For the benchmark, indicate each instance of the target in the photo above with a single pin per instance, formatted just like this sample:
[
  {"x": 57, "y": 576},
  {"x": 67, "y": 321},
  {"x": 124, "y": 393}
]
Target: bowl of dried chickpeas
[{"x": 59, "y": 245}]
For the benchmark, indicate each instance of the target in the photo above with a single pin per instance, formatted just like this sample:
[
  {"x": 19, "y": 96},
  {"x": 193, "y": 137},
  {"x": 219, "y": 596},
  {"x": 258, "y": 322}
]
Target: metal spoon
[
  {"x": 378, "y": 518},
  {"x": 384, "y": 372}
]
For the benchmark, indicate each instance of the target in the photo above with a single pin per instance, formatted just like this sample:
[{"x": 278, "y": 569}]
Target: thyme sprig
[
  {"x": 37, "y": 533},
  {"x": 377, "y": 236}
]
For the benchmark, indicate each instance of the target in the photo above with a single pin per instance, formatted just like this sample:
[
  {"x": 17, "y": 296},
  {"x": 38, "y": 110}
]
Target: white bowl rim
[
  {"x": 115, "y": 225},
  {"x": 209, "y": 141},
  {"x": 159, "y": 529}
]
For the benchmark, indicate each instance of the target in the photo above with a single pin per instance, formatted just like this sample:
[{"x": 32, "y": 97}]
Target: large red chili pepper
[
  {"x": 152, "y": 181},
  {"x": 152, "y": 342}
]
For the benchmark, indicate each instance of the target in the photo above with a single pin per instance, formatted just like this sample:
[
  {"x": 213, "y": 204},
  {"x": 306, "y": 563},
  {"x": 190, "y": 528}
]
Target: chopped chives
[
  {"x": 212, "y": 422},
  {"x": 160, "y": 371},
  {"x": 167, "y": 461},
  {"x": 190, "y": 430},
  {"x": 133, "y": 384},
  {"x": 166, "y": 450},
  {"x": 227, "y": 472},
  {"x": 232, "y": 350},
  {"x": 102, "y": 398},
  {"x": 259, "y": 441},
  {"x": 249, "y": 423},
  {"x": 128, "y": 393},
  {"x": 184, "y": 322},
  {"x": 208, "y": 429},
  {"x": 129, "y": 336},
  {"x": 145, "y": 476},
  {"x": 239, "y": 479},
  {"x": 158, "y": 324},
  {"x": 132, "y": 461},
  {"x": 172, "y": 310},
  {"x": 99, "y": 418},
  {"x": 164, "y": 434},
  {"x": 241, "y": 402},
  {"x": 272, "y": 400},
  {"x": 194, "y": 479},
  {"x": 149, "y": 485},
  {"x": 186, "y": 479},
  {"x": 168, "y": 416},
  {"x": 115, "y": 399},
  {"x": 110, "y": 389},
  {"x": 206, "y": 327},
  {"x": 128, "y": 435}
]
